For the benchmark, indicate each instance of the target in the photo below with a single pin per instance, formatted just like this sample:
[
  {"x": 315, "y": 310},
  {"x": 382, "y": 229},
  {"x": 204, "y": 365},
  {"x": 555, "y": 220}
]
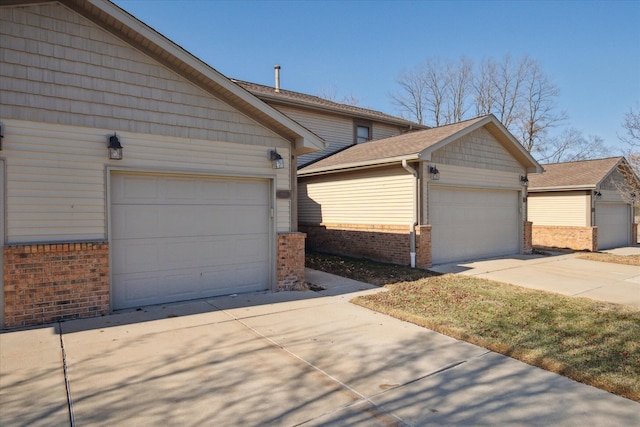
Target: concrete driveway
[
  {"x": 561, "y": 273},
  {"x": 288, "y": 358}
]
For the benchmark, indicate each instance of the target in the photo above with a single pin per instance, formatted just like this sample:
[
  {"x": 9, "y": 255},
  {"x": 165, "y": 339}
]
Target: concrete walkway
[
  {"x": 561, "y": 273},
  {"x": 288, "y": 358}
]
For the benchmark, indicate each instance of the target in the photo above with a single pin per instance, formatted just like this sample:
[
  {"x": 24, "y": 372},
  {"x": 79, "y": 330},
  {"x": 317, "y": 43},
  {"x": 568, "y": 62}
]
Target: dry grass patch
[
  {"x": 618, "y": 259},
  {"x": 593, "y": 342},
  {"x": 375, "y": 273}
]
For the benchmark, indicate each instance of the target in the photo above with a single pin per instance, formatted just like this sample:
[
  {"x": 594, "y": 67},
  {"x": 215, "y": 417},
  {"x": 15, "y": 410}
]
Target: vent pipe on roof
[{"x": 277, "y": 68}]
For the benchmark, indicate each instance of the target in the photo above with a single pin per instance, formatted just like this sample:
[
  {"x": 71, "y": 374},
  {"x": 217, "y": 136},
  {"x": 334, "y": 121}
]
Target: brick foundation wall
[
  {"x": 51, "y": 282},
  {"x": 385, "y": 243},
  {"x": 290, "y": 268},
  {"x": 565, "y": 237},
  {"x": 527, "y": 238}
]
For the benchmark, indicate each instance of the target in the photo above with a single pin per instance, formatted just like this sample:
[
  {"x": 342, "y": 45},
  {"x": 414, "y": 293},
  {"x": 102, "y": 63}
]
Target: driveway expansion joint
[{"x": 67, "y": 385}]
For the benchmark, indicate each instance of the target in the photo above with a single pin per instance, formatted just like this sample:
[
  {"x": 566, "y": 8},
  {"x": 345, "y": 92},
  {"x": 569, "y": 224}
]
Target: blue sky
[{"x": 589, "y": 49}]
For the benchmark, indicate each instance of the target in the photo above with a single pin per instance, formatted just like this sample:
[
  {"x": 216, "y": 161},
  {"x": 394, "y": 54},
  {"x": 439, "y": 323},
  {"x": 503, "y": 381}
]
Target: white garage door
[
  {"x": 469, "y": 223},
  {"x": 614, "y": 225},
  {"x": 183, "y": 237}
]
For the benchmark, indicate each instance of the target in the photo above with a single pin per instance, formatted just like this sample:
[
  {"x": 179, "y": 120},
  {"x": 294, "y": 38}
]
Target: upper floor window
[{"x": 362, "y": 132}]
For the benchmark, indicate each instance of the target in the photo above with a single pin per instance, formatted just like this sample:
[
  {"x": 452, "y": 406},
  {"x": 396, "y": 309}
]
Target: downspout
[{"x": 412, "y": 229}]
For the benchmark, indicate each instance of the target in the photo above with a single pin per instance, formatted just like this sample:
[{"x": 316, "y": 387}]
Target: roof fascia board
[
  {"x": 303, "y": 139},
  {"x": 358, "y": 165},
  {"x": 561, "y": 188},
  {"x": 334, "y": 111}
]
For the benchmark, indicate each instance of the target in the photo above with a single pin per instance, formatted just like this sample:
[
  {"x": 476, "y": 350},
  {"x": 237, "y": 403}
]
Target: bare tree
[
  {"x": 539, "y": 111},
  {"x": 423, "y": 93},
  {"x": 631, "y": 125},
  {"x": 330, "y": 93},
  {"x": 460, "y": 82},
  {"x": 516, "y": 91},
  {"x": 571, "y": 146},
  {"x": 436, "y": 82},
  {"x": 483, "y": 87},
  {"x": 411, "y": 98}
]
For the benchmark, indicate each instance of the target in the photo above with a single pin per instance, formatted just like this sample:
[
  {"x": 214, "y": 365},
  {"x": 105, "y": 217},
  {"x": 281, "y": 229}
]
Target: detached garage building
[
  {"x": 439, "y": 195},
  {"x": 585, "y": 205},
  {"x": 190, "y": 207}
]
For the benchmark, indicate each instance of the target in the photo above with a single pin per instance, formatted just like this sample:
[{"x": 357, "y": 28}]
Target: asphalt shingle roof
[
  {"x": 585, "y": 173},
  {"x": 397, "y": 146},
  {"x": 282, "y": 95}
]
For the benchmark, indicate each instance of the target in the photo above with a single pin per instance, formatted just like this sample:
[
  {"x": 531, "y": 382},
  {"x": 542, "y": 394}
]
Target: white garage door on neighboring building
[
  {"x": 176, "y": 237},
  {"x": 473, "y": 223},
  {"x": 614, "y": 225}
]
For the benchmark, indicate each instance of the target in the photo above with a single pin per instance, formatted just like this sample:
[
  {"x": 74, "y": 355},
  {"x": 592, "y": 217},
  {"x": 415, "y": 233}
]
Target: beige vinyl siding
[
  {"x": 336, "y": 131},
  {"x": 56, "y": 175},
  {"x": 461, "y": 176},
  {"x": 381, "y": 197},
  {"x": 560, "y": 208},
  {"x": 381, "y": 131},
  {"x": 58, "y": 67},
  {"x": 479, "y": 149}
]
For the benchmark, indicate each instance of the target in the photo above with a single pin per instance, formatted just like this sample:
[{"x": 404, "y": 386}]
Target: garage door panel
[
  {"x": 187, "y": 238},
  {"x": 139, "y": 221},
  {"x": 470, "y": 223},
  {"x": 614, "y": 225}
]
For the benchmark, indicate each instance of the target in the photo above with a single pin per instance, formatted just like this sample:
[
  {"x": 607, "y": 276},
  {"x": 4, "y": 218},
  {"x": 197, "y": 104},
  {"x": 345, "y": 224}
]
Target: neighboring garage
[
  {"x": 134, "y": 173},
  {"x": 183, "y": 237},
  {"x": 473, "y": 223},
  {"x": 613, "y": 221},
  {"x": 585, "y": 205},
  {"x": 439, "y": 195}
]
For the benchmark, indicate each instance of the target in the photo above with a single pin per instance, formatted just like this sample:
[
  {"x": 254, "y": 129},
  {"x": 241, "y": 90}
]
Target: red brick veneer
[
  {"x": 386, "y": 243},
  {"x": 566, "y": 237},
  {"x": 290, "y": 267},
  {"x": 527, "y": 238},
  {"x": 46, "y": 283}
]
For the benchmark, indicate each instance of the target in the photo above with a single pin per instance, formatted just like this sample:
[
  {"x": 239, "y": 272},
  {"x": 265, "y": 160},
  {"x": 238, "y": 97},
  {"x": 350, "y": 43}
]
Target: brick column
[
  {"x": 51, "y": 282},
  {"x": 527, "y": 238},
  {"x": 423, "y": 246},
  {"x": 290, "y": 267}
]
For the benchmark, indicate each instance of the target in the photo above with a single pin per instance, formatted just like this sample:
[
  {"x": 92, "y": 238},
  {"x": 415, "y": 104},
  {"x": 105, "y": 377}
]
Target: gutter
[{"x": 412, "y": 229}]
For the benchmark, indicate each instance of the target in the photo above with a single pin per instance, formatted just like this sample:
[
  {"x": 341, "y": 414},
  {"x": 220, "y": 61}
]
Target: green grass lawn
[{"x": 593, "y": 342}]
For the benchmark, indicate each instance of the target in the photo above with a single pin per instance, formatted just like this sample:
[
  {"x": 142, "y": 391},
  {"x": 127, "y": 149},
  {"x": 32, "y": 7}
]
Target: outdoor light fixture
[
  {"x": 597, "y": 194},
  {"x": 276, "y": 159},
  {"x": 114, "y": 147},
  {"x": 435, "y": 173},
  {"x": 1, "y": 135},
  {"x": 524, "y": 181}
]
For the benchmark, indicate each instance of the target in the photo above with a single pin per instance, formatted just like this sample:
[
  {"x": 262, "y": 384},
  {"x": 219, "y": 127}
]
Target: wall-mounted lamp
[
  {"x": 1, "y": 135},
  {"x": 114, "y": 147},
  {"x": 597, "y": 195},
  {"x": 276, "y": 159},
  {"x": 524, "y": 181},
  {"x": 435, "y": 173}
]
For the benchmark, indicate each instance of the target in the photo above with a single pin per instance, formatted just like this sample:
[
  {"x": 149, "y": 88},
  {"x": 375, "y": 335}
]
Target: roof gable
[
  {"x": 418, "y": 146},
  {"x": 142, "y": 37},
  {"x": 584, "y": 174}
]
